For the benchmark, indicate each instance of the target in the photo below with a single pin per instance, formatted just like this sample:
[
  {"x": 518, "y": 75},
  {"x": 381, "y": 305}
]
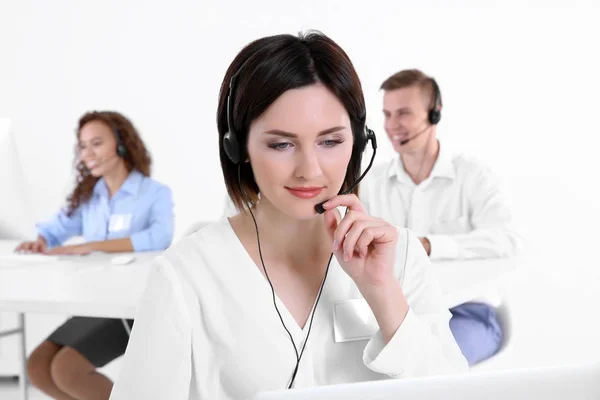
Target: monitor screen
[{"x": 15, "y": 217}]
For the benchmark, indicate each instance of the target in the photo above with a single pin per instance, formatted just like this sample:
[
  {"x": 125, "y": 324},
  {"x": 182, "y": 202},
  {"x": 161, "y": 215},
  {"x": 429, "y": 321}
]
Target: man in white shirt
[{"x": 451, "y": 202}]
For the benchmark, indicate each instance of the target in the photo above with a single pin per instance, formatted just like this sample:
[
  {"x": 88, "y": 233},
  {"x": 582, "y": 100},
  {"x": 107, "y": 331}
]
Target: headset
[
  {"x": 121, "y": 149},
  {"x": 237, "y": 154},
  {"x": 435, "y": 114},
  {"x": 235, "y": 151}
]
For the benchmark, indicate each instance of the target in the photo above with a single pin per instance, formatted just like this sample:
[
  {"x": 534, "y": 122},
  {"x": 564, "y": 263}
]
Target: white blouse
[{"x": 207, "y": 327}]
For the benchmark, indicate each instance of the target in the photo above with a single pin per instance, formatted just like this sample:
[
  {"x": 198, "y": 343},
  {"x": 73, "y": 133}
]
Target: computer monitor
[
  {"x": 571, "y": 382},
  {"x": 15, "y": 217}
]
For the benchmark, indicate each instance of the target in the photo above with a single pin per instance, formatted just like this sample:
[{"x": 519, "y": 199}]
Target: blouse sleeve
[
  {"x": 61, "y": 227},
  {"x": 423, "y": 344},
  {"x": 158, "y": 360}
]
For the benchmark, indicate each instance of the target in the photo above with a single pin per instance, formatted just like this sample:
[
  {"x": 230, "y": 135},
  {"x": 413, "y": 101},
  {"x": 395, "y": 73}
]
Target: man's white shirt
[{"x": 459, "y": 208}]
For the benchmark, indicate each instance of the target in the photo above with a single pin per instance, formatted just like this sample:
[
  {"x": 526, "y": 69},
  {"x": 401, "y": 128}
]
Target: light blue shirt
[{"x": 142, "y": 210}]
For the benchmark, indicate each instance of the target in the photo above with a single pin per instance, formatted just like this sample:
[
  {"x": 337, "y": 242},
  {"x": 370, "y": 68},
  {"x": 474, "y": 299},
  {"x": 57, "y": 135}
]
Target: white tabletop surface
[
  {"x": 91, "y": 285},
  {"x": 74, "y": 285},
  {"x": 463, "y": 281}
]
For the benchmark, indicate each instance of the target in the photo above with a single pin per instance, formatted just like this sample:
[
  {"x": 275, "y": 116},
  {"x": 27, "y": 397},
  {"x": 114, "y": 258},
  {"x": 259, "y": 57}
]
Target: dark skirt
[{"x": 100, "y": 340}]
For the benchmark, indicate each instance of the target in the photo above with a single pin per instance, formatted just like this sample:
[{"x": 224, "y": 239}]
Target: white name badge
[
  {"x": 353, "y": 320},
  {"x": 119, "y": 222}
]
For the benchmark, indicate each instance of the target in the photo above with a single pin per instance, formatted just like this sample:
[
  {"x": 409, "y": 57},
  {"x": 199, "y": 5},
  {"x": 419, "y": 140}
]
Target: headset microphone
[
  {"x": 370, "y": 136},
  {"x": 402, "y": 143}
]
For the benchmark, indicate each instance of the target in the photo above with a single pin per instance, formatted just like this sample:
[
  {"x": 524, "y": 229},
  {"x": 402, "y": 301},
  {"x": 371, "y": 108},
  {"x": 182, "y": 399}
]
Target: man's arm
[{"x": 490, "y": 220}]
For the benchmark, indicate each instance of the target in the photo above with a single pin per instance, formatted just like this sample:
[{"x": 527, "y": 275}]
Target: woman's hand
[
  {"x": 364, "y": 246},
  {"x": 84, "y": 248},
  {"x": 38, "y": 246}
]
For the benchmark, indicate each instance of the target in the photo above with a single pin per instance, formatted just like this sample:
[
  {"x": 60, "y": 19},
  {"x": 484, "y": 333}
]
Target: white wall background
[{"x": 520, "y": 81}]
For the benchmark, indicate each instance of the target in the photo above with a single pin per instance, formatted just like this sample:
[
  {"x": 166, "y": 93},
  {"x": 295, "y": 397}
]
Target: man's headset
[
  {"x": 434, "y": 115},
  {"x": 236, "y": 152}
]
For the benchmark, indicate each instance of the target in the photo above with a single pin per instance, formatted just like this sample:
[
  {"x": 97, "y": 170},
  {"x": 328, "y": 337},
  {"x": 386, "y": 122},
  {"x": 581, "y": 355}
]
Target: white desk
[
  {"x": 463, "y": 281},
  {"x": 74, "y": 285},
  {"x": 92, "y": 286}
]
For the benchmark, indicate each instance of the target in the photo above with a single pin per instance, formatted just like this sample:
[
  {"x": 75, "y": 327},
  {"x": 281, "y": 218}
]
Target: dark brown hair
[
  {"x": 273, "y": 65},
  {"x": 136, "y": 157},
  {"x": 413, "y": 77}
]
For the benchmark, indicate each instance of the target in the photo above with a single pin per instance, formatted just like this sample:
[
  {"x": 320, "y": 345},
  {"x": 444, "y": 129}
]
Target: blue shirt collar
[{"x": 130, "y": 186}]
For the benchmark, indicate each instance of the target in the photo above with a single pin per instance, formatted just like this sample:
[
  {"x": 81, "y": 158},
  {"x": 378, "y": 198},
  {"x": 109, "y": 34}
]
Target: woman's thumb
[{"x": 332, "y": 219}]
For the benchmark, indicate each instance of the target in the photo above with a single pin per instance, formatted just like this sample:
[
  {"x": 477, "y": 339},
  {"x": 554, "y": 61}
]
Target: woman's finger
[
  {"x": 345, "y": 200},
  {"x": 332, "y": 219},
  {"x": 374, "y": 235},
  {"x": 339, "y": 236},
  {"x": 355, "y": 232}
]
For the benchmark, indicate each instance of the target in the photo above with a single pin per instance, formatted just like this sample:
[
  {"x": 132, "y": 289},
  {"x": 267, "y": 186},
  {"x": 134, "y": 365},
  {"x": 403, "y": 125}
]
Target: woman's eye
[
  {"x": 331, "y": 143},
  {"x": 279, "y": 146}
]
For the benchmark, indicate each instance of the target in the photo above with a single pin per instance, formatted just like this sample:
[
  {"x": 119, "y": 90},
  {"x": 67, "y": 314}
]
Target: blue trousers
[{"x": 476, "y": 330}]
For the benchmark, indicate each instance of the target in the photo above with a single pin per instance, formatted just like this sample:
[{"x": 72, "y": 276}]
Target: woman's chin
[
  {"x": 96, "y": 172},
  {"x": 302, "y": 210}
]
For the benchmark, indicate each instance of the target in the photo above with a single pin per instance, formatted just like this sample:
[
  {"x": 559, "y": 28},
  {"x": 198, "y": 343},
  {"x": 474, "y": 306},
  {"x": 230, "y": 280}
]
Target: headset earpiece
[
  {"x": 121, "y": 150},
  {"x": 363, "y": 141},
  {"x": 370, "y": 135},
  {"x": 231, "y": 147},
  {"x": 435, "y": 114}
]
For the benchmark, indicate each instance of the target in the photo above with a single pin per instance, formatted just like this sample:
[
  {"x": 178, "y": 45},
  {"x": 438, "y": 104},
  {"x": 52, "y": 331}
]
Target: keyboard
[{"x": 28, "y": 257}]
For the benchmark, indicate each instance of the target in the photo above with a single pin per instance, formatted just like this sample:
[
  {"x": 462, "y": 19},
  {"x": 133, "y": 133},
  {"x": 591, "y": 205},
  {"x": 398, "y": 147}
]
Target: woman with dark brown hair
[
  {"x": 288, "y": 293},
  {"x": 116, "y": 207}
]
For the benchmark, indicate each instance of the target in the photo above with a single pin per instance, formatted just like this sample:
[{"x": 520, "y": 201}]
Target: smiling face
[
  {"x": 299, "y": 150},
  {"x": 405, "y": 111},
  {"x": 98, "y": 149}
]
